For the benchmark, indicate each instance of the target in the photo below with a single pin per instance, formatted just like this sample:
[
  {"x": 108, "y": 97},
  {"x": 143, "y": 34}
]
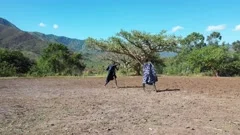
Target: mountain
[
  {"x": 73, "y": 44},
  {"x": 7, "y": 23},
  {"x": 13, "y": 38},
  {"x": 32, "y": 43}
]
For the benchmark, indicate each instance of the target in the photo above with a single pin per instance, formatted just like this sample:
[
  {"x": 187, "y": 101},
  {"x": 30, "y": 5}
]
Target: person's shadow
[
  {"x": 166, "y": 90},
  {"x": 125, "y": 87},
  {"x": 160, "y": 90}
]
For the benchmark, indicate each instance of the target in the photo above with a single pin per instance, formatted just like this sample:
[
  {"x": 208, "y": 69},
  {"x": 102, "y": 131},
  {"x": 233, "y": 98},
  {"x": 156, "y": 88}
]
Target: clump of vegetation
[
  {"x": 57, "y": 59},
  {"x": 211, "y": 58},
  {"x": 130, "y": 49},
  {"x": 13, "y": 63},
  {"x": 193, "y": 56}
]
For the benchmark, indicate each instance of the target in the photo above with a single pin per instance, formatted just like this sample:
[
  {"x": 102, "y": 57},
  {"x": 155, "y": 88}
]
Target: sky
[{"x": 104, "y": 18}]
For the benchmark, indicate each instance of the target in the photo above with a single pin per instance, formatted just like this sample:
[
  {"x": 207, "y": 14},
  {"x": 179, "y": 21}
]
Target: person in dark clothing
[
  {"x": 149, "y": 74},
  {"x": 112, "y": 73}
]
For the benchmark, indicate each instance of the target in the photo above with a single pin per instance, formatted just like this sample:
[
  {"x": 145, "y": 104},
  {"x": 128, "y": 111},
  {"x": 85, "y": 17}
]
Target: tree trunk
[
  {"x": 138, "y": 72},
  {"x": 216, "y": 73},
  {"x": 137, "y": 69}
]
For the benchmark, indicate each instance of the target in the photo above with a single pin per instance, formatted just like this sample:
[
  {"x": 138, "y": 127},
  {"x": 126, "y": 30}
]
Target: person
[
  {"x": 149, "y": 74},
  {"x": 112, "y": 73}
]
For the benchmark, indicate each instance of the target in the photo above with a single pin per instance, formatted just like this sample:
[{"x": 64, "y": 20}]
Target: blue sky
[{"x": 104, "y": 18}]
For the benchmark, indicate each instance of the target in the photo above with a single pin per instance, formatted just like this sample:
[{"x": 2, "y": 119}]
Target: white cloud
[
  {"x": 176, "y": 28},
  {"x": 55, "y": 26},
  {"x": 42, "y": 24},
  {"x": 216, "y": 27},
  {"x": 237, "y": 28}
]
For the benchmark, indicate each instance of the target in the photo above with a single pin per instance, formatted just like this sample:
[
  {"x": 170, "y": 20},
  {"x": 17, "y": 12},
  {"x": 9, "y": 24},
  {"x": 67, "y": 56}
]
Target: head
[
  {"x": 115, "y": 63},
  {"x": 147, "y": 60}
]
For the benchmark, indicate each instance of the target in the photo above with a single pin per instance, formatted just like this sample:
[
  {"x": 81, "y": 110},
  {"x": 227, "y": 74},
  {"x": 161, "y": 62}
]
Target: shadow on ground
[
  {"x": 124, "y": 87},
  {"x": 160, "y": 90},
  {"x": 166, "y": 90}
]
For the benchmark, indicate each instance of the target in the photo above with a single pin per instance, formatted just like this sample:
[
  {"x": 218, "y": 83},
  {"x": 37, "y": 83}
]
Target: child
[
  {"x": 112, "y": 73},
  {"x": 149, "y": 74}
]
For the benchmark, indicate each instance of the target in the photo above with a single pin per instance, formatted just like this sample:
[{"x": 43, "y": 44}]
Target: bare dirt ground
[{"x": 71, "y": 105}]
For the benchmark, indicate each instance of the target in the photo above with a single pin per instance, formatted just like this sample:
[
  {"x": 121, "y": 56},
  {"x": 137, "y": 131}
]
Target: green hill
[
  {"x": 15, "y": 39},
  {"x": 7, "y": 23},
  {"x": 32, "y": 43},
  {"x": 73, "y": 44}
]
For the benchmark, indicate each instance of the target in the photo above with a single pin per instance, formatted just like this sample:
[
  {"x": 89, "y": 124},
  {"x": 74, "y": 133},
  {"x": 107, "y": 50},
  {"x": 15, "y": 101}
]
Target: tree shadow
[{"x": 166, "y": 90}]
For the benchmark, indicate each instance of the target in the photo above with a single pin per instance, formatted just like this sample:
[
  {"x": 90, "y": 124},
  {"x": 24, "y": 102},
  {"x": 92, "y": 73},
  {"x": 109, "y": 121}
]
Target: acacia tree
[
  {"x": 214, "y": 38},
  {"x": 193, "y": 40},
  {"x": 137, "y": 45},
  {"x": 125, "y": 61}
]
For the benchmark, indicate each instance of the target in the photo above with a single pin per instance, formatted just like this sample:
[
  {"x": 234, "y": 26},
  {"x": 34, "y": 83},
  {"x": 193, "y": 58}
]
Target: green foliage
[
  {"x": 15, "y": 61},
  {"x": 232, "y": 66},
  {"x": 132, "y": 48},
  {"x": 236, "y": 46},
  {"x": 214, "y": 38},
  {"x": 209, "y": 58},
  {"x": 193, "y": 40},
  {"x": 180, "y": 65},
  {"x": 58, "y": 60},
  {"x": 129, "y": 49},
  {"x": 6, "y": 69}
]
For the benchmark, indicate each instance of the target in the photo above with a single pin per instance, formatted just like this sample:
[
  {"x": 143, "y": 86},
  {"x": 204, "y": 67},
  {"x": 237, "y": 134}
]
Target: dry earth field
[{"x": 79, "y": 106}]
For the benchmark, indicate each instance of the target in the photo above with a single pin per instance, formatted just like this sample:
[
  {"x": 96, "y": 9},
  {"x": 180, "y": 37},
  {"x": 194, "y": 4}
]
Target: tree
[
  {"x": 57, "y": 59},
  {"x": 211, "y": 58},
  {"x": 7, "y": 69},
  {"x": 193, "y": 40},
  {"x": 232, "y": 65},
  {"x": 137, "y": 45},
  {"x": 236, "y": 46},
  {"x": 15, "y": 61},
  {"x": 126, "y": 63},
  {"x": 214, "y": 38},
  {"x": 179, "y": 65}
]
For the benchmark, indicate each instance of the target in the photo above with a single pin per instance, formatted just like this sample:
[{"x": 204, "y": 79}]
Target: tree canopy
[
  {"x": 13, "y": 62},
  {"x": 136, "y": 45},
  {"x": 57, "y": 59},
  {"x": 236, "y": 46}
]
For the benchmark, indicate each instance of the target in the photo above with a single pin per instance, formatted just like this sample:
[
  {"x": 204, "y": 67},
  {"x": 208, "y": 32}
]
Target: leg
[
  {"x": 107, "y": 81},
  {"x": 154, "y": 86},
  {"x": 143, "y": 86},
  {"x": 116, "y": 81}
]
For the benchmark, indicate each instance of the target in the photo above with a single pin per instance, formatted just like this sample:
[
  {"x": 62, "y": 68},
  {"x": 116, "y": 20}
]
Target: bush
[
  {"x": 6, "y": 69},
  {"x": 14, "y": 63},
  {"x": 58, "y": 60}
]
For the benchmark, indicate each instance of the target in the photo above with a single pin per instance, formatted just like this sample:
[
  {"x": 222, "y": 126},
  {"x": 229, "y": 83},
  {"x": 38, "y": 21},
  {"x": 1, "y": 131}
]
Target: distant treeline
[
  {"x": 56, "y": 59},
  {"x": 194, "y": 55}
]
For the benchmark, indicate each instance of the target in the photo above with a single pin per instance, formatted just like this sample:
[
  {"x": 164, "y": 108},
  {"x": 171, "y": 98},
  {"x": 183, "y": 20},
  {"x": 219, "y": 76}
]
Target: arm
[
  {"x": 153, "y": 70},
  {"x": 107, "y": 68}
]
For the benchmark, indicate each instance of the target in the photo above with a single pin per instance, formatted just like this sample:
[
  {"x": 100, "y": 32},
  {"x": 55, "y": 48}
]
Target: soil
[{"x": 76, "y": 105}]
